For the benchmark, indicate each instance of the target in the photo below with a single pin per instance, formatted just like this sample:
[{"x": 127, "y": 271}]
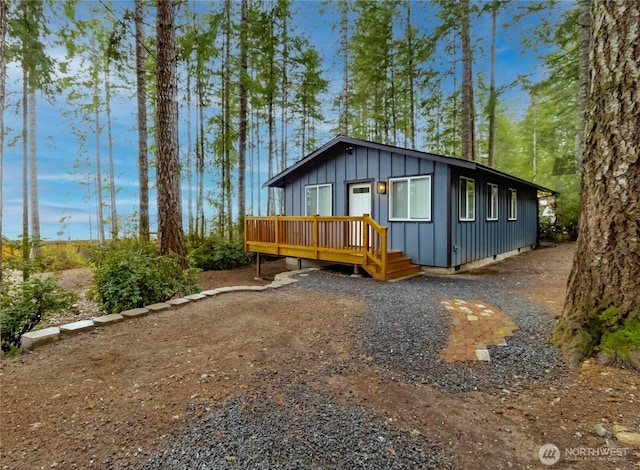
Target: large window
[
  {"x": 492, "y": 201},
  {"x": 410, "y": 198},
  {"x": 513, "y": 204},
  {"x": 318, "y": 199},
  {"x": 467, "y": 199}
]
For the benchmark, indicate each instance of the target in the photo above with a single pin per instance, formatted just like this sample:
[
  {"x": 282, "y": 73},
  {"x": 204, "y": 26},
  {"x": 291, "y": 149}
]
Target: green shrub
[
  {"x": 131, "y": 274},
  {"x": 99, "y": 253},
  {"x": 15, "y": 261},
  {"x": 216, "y": 253},
  {"x": 56, "y": 258},
  {"x": 25, "y": 304},
  {"x": 616, "y": 347}
]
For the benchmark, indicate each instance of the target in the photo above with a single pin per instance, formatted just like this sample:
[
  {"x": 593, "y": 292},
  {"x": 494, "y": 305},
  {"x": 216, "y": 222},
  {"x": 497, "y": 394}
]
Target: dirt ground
[{"x": 112, "y": 397}]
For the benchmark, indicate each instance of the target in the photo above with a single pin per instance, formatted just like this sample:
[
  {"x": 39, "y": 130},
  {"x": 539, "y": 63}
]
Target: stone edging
[{"x": 33, "y": 339}]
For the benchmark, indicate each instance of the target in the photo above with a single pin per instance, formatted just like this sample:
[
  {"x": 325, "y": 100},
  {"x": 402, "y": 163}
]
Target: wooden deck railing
[{"x": 341, "y": 239}]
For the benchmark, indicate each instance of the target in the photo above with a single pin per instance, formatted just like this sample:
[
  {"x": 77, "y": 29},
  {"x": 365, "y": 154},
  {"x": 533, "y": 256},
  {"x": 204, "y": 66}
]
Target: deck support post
[
  {"x": 299, "y": 264},
  {"x": 258, "y": 265},
  {"x": 356, "y": 271}
]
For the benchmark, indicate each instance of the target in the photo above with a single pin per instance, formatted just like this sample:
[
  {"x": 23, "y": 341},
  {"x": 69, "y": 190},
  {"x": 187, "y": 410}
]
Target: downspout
[{"x": 449, "y": 218}]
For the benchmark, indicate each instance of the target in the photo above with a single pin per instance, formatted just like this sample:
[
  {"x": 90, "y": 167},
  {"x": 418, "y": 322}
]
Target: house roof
[{"x": 278, "y": 180}]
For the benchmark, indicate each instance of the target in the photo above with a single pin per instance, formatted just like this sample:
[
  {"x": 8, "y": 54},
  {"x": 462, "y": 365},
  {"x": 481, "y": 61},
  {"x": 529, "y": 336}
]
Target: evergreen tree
[
  {"x": 242, "y": 118},
  {"x": 467, "y": 108},
  {"x": 3, "y": 75},
  {"x": 28, "y": 29},
  {"x": 602, "y": 308},
  {"x": 307, "y": 107},
  {"x": 141, "y": 95},
  {"x": 371, "y": 48},
  {"x": 170, "y": 231}
]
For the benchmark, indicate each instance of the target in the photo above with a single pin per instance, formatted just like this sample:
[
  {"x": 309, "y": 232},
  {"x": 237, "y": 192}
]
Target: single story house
[{"x": 441, "y": 212}]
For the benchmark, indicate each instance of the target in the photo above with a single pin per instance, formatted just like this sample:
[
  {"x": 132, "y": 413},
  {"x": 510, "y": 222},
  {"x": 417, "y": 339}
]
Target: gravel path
[
  {"x": 404, "y": 329},
  {"x": 307, "y": 431},
  {"x": 407, "y": 328}
]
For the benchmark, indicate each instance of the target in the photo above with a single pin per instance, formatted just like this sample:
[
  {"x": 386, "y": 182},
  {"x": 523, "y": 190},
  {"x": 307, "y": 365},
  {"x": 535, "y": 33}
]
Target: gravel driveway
[
  {"x": 402, "y": 330},
  {"x": 407, "y": 327}
]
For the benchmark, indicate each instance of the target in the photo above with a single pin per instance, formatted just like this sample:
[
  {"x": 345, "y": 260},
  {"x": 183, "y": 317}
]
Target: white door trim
[
  {"x": 360, "y": 203},
  {"x": 353, "y": 210}
]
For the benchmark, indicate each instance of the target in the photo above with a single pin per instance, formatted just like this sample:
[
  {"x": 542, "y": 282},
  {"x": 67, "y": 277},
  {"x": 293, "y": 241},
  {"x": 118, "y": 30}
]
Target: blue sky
[{"x": 67, "y": 205}]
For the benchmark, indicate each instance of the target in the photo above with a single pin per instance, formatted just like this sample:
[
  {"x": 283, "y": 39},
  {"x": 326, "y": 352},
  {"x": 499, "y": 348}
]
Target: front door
[{"x": 359, "y": 204}]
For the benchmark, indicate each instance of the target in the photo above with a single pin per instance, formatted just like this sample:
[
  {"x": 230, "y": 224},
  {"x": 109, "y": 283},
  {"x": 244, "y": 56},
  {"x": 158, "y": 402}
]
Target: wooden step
[
  {"x": 411, "y": 270},
  {"x": 398, "y": 262},
  {"x": 394, "y": 263},
  {"x": 398, "y": 267},
  {"x": 393, "y": 255}
]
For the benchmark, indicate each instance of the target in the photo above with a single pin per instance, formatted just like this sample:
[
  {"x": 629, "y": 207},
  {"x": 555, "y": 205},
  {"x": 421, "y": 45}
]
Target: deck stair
[{"x": 398, "y": 267}]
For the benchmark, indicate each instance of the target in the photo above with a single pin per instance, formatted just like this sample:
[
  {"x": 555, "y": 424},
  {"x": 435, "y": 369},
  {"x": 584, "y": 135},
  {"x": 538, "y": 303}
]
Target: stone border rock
[{"x": 36, "y": 338}]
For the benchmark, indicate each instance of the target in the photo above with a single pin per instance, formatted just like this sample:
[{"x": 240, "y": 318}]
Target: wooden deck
[{"x": 356, "y": 240}]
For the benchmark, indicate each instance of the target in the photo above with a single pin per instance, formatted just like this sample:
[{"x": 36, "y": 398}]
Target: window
[
  {"x": 513, "y": 204},
  {"x": 492, "y": 202},
  {"x": 467, "y": 199},
  {"x": 410, "y": 198},
  {"x": 318, "y": 199}
]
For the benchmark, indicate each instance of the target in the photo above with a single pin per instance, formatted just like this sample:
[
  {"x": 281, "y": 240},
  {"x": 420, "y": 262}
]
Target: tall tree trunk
[
  {"x": 283, "y": 108},
  {"x": 344, "y": 49},
  {"x": 454, "y": 100},
  {"x": 96, "y": 112},
  {"x": 25, "y": 172},
  {"x": 534, "y": 161},
  {"x": 200, "y": 138},
  {"x": 602, "y": 307},
  {"x": 141, "y": 93},
  {"x": 391, "y": 103},
  {"x": 258, "y": 146},
  {"x": 242, "y": 127},
  {"x": 112, "y": 178},
  {"x": 253, "y": 166},
  {"x": 189, "y": 162},
  {"x": 271, "y": 205},
  {"x": 33, "y": 175},
  {"x": 3, "y": 72},
  {"x": 227, "y": 191},
  {"x": 200, "y": 163},
  {"x": 411, "y": 78},
  {"x": 98, "y": 174},
  {"x": 170, "y": 231},
  {"x": 492, "y": 88},
  {"x": 585, "y": 37},
  {"x": 468, "y": 119}
]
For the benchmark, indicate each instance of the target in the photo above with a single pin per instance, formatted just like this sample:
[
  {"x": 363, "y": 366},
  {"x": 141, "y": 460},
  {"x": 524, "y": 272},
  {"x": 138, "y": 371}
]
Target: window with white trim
[
  {"x": 410, "y": 198},
  {"x": 492, "y": 201},
  {"x": 513, "y": 204},
  {"x": 467, "y": 199},
  {"x": 318, "y": 199}
]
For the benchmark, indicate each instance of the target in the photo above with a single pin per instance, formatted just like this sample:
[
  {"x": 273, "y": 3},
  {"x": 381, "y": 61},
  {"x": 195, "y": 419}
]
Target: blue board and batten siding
[
  {"x": 424, "y": 242},
  {"x": 445, "y": 241},
  {"x": 482, "y": 238}
]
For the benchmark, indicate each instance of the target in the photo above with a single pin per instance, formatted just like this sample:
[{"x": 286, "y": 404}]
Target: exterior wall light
[{"x": 381, "y": 187}]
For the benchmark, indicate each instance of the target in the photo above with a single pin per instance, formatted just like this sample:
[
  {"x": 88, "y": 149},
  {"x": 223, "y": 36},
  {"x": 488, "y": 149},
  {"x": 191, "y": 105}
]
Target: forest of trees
[{"x": 255, "y": 94}]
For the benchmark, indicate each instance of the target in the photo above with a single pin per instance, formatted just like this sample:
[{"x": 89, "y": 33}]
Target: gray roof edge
[
  {"x": 515, "y": 178},
  {"x": 278, "y": 179},
  {"x": 275, "y": 180}
]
